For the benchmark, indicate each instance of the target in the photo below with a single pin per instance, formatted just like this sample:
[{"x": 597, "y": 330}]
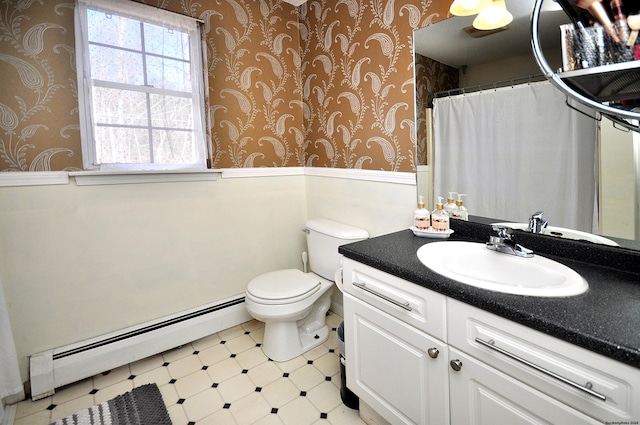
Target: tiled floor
[{"x": 224, "y": 379}]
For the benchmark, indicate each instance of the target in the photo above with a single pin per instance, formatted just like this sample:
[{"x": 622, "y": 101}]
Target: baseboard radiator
[{"x": 54, "y": 368}]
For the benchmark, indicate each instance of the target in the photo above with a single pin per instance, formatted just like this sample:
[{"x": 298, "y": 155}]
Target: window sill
[
  {"x": 35, "y": 178},
  {"x": 93, "y": 178}
]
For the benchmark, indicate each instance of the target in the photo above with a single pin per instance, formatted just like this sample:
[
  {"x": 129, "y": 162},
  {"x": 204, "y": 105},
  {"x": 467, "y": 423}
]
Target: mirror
[{"x": 456, "y": 59}]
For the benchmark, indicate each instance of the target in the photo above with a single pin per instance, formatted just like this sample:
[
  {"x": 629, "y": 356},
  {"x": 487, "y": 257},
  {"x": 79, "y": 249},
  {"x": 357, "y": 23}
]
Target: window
[{"x": 140, "y": 87}]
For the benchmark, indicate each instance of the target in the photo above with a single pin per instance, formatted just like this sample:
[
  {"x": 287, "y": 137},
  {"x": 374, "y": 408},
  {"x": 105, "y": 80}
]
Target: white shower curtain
[
  {"x": 10, "y": 383},
  {"x": 515, "y": 151}
]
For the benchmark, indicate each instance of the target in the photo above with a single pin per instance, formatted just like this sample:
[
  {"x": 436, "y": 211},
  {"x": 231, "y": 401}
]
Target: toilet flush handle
[{"x": 307, "y": 231}]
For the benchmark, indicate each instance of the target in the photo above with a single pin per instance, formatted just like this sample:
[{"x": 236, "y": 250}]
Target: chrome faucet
[
  {"x": 536, "y": 223},
  {"x": 504, "y": 243}
]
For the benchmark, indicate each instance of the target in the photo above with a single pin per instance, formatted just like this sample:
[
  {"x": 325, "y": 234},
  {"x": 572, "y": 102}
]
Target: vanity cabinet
[
  {"x": 418, "y": 357},
  {"x": 395, "y": 363}
]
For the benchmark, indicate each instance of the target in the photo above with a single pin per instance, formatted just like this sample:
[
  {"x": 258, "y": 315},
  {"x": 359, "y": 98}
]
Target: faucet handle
[
  {"x": 537, "y": 215},
  {"x": 505, "y": 243},
  {"x": 536, "y": 223},
  {"x": 504, "y": 232}
]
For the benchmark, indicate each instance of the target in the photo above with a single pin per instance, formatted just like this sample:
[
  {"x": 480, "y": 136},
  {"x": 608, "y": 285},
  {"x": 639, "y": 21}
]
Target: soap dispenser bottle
[
  {"x": 440, "y": 218},
  {"x": 450, "y": 205},
  {"x": 421, "y": 216},
  {"x": 460, "y": 212}
]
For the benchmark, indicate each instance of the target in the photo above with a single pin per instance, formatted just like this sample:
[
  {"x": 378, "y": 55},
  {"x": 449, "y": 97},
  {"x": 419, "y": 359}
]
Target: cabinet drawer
[
  {"x": 595, "y": 385},
  {"x": 412, "y": 304}
]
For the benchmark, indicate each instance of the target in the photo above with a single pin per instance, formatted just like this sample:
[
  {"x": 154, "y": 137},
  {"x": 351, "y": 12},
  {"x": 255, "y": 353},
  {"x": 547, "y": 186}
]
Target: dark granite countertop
[{"x": 605, "y": 319}]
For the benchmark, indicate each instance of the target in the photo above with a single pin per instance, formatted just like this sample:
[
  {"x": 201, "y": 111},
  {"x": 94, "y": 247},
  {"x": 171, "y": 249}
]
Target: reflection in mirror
[{"x": 447, "y": 57}]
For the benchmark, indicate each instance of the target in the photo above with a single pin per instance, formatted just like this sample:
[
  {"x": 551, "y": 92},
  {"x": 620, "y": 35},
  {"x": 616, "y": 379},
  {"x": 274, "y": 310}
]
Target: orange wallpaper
[
  {"x": 254, "y": 80},
  {"x": 329, "y": 83},
  {"x": 38, "y": 103},
  {"x": 359, "y": 81}
]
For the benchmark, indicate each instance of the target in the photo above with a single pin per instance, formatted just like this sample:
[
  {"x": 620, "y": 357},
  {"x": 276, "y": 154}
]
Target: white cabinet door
[
  {"x": 481, "y": 395},
  {"x": 396, "y": 369},
  {"x": 597, "y": 386}
]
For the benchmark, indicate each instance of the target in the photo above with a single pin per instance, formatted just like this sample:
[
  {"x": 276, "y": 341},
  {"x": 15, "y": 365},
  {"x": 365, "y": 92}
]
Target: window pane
[
  {"x": 115, "y": 65},
  {"x": 114, "y": 106},
  {"x": 113, "y": 30},
  {"x": 142, "y": 108},
  {"x": 173, "y": 147},
  {"x": 168, "y": 74},
  {"x": 116, "y": 145},
  {"x": 166, "y": 42},
  {"x": 171, "y": 111}
]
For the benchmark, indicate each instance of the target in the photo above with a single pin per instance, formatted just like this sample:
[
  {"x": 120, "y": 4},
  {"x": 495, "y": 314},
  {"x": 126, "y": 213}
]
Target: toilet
[{"x": 293, "y": 304}]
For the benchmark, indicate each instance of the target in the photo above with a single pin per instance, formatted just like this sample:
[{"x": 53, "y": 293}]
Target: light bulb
[
  {"x": 470, "y": 4},
  {"x": 493, "y": 16},
  {"x": 468, "y": 7}
]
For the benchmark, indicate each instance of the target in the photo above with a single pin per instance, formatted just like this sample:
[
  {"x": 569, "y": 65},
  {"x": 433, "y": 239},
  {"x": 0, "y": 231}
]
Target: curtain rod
[
  {"x": 198, "y": 20},
  {"x": 477, "y": 87}
]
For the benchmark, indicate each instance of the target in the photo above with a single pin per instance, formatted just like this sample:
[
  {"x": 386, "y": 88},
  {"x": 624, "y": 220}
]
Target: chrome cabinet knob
[
  {"x": 456, "y": 365},
  {"x": 433, "y": 352}
]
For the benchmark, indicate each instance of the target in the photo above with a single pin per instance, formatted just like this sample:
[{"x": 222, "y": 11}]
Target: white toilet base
[{"x": 283, "y": 340}]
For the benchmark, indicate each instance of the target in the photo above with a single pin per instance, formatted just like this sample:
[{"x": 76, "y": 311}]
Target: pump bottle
[
  {"x": 421, "y": 216},
  {"x": 460, "y": 212},
  {"x": 450, "y": 205},
  {"x": 440, "y": 218}
]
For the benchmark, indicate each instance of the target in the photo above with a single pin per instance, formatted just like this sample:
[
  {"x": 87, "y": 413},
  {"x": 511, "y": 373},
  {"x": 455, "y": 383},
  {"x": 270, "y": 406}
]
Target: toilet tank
[{"x": 324, "y": 236}]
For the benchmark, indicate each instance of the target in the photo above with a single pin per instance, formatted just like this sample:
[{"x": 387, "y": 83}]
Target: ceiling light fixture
[
  {"x": 493, "y": 16},
  {"x": 468, "y": 7}
]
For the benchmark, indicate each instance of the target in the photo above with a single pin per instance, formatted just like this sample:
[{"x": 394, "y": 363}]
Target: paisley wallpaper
[{"x": 329, "y": 83}]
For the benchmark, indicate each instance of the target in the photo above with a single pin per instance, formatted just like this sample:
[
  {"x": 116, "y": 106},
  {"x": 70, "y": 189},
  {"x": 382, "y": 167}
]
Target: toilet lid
[{"x": 284, "y": 285}]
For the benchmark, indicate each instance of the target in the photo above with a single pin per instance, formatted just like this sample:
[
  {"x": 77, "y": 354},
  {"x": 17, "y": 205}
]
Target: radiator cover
[{"x": 60, "y": 366}]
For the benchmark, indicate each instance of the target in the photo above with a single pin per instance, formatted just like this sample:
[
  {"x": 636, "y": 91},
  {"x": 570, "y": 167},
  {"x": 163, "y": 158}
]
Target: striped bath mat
[{"x": 142, "y": 406}]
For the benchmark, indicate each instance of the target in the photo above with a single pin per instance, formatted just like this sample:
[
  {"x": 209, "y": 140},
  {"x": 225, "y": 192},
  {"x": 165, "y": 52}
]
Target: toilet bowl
[
  {"x": 293, "y": 304},
  {"x": 294, "y": 314}
]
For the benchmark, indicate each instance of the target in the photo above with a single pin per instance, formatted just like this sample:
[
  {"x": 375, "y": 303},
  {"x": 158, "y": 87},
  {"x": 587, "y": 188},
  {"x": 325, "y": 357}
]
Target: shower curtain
[
  {"x": 10, "y": 382},
  {"x": 515, "y": 151}
]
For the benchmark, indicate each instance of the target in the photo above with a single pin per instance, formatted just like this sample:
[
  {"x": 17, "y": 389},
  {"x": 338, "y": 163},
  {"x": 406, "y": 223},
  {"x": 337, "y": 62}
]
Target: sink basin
[
  {"x": 473, "y": 264},
  {"x": 561, "y": 232}
]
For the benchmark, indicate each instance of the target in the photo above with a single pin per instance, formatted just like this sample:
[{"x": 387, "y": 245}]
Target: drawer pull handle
[
  {"x": 491, "y": 344},
  {"x": 406, "y": 306}
]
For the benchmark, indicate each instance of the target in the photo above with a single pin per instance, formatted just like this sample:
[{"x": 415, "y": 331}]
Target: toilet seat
[{"x": 283, "y": 286}]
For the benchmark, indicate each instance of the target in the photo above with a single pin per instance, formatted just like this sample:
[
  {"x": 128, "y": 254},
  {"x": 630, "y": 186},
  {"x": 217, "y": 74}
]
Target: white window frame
[{"x": 147, "y": 14}]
